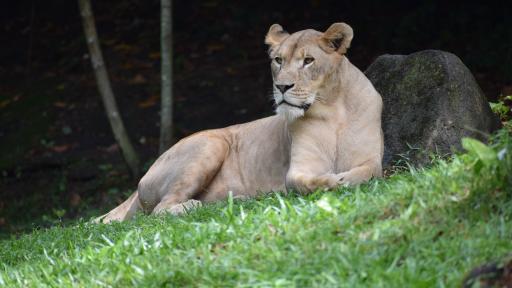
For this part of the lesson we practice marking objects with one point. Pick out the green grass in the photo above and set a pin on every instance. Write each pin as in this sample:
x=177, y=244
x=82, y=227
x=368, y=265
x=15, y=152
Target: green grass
x=418, y=228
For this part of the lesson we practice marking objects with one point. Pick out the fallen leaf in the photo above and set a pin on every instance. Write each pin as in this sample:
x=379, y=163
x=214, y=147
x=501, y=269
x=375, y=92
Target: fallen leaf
x=9, y=101
x=60, y=104
x=112, y=148
x=4, y=103
x=127, y=65
x=150, y=102
x=126, y=48
x=214, y=47
x=154, y=55
x=74, y=199
x=231, y=71
x=138, y=79
x=60, y=148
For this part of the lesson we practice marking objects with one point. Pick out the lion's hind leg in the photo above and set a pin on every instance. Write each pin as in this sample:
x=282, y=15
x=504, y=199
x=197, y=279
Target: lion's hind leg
x=177, y=209
x=209, y=153
x=125, y=211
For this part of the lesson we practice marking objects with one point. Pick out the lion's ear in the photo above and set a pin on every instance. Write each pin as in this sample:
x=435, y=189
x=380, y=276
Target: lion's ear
x=337, y=38
x=275, y=35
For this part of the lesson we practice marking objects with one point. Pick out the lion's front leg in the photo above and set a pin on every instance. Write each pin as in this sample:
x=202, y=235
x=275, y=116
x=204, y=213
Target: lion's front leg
x=355, y=176
x=360, y=174
x=305, y=183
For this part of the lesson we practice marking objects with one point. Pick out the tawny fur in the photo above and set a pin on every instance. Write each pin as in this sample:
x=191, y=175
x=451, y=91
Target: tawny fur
x=336, y=139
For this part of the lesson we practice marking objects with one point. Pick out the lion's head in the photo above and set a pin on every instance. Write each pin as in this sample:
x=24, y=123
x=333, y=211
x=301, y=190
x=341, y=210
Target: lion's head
x=301, y=63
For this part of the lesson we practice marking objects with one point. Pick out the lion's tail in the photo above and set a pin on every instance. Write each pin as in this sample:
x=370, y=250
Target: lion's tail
x=122, y=212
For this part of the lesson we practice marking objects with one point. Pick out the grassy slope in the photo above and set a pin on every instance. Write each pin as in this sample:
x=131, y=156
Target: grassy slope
x=419, y=228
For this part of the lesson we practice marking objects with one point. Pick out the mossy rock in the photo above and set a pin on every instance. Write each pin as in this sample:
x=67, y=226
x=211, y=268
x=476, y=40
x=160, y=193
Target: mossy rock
x=431, y=100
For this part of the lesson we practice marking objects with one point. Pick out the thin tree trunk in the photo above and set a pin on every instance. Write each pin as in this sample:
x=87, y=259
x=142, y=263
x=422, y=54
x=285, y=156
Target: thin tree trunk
x=166, y=125
x=109, y=102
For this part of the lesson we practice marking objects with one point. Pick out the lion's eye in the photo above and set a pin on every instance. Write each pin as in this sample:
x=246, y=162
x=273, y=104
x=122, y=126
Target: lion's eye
x=278, y=60
x=308, y=60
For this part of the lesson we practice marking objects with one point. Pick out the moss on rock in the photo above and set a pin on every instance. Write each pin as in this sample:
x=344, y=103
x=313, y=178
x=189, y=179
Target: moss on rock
x=431, y=100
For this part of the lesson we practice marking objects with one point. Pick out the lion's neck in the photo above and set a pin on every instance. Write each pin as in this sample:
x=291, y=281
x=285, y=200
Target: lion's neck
x=338, y=103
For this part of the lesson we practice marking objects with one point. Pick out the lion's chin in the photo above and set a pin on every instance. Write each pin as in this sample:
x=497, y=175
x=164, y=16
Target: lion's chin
x=289, y=113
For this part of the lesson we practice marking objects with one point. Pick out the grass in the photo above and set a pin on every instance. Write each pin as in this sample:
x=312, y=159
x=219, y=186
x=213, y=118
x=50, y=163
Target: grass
x=418, y=228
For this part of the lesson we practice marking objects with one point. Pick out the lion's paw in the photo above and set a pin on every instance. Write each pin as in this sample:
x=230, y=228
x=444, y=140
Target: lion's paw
x=351, y=177
x=185, y=206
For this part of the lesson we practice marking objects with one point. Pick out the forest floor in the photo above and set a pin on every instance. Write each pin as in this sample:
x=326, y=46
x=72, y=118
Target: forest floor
x=419, y=228
x=59, y=161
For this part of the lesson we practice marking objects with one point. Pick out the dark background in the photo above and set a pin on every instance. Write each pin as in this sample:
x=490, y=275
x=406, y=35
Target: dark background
x=58, y=158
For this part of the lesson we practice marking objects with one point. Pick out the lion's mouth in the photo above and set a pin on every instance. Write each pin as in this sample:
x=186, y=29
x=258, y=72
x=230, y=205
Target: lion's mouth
x=304, y=106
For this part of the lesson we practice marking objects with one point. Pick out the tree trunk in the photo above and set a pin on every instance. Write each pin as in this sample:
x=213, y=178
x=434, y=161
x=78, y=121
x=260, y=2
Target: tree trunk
x=166, y=125
x=109, y=102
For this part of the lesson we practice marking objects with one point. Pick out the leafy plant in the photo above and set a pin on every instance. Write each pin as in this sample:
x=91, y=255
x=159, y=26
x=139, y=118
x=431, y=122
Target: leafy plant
x=481, y=154
x=501, y=109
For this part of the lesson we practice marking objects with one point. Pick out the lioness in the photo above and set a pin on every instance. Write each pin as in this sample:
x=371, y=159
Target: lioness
x=327, y=132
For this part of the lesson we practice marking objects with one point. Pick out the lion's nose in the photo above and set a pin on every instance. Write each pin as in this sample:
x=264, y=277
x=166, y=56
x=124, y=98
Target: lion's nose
x=284, y=88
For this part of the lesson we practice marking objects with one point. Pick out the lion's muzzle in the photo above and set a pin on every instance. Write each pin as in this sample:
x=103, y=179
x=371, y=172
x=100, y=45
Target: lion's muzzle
x=304, y=106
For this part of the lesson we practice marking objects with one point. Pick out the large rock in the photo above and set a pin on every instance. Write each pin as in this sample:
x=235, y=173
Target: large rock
x=431, y=101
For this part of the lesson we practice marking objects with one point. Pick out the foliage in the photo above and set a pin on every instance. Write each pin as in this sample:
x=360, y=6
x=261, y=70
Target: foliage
x=501, y=109
x=420, y=228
